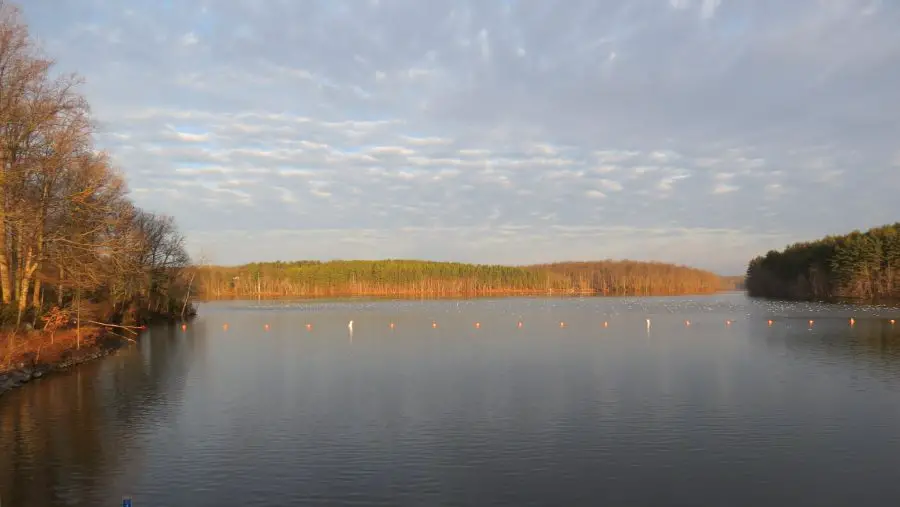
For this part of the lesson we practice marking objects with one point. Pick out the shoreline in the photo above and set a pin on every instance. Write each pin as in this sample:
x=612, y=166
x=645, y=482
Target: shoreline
x=97, y=343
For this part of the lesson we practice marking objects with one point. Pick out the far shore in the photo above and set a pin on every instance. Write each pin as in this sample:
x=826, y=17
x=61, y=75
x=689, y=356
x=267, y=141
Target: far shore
x=449, y=296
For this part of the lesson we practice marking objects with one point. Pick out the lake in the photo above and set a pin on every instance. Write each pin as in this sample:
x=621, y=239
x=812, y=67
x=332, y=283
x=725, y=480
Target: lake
x=278, y=403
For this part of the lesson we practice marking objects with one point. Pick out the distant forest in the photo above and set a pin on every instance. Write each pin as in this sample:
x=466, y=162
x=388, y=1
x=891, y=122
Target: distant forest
x=734, y=283
x=437, y=279
x=859, y=265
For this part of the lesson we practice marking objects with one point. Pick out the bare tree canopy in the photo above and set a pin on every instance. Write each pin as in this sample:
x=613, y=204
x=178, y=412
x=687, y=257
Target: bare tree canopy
x=67, y=227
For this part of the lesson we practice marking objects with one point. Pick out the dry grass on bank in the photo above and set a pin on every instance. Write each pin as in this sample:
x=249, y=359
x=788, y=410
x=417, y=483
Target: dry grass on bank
x=40, y=347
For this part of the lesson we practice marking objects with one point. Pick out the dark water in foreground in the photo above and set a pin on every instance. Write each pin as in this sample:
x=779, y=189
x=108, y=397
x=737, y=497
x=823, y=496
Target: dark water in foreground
x=706, y=414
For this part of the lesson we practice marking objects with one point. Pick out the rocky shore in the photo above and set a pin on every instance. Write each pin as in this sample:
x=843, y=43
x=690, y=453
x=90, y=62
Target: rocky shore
x=28, y=370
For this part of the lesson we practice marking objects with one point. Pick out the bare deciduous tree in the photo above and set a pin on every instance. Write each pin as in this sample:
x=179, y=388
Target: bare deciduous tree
x=64, y=214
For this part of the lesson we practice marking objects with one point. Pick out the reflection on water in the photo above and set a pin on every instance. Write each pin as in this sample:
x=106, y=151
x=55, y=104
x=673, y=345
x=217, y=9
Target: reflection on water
x=62, y=438
x=456, y=403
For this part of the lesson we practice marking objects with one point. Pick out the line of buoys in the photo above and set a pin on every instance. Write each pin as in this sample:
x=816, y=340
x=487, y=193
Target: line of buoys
x=562, y=324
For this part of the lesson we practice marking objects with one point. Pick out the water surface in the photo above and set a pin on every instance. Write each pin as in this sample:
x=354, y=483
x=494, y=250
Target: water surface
x=710, y=405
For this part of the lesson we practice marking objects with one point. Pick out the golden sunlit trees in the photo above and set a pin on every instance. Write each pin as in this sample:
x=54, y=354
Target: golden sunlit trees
x=66, y=225
x=424, y=278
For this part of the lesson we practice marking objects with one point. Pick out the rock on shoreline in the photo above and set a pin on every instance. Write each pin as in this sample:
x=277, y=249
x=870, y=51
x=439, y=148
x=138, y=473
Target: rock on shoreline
x=26, y=373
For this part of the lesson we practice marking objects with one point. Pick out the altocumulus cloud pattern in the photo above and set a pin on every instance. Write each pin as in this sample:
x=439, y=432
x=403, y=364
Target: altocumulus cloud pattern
x=514, y=131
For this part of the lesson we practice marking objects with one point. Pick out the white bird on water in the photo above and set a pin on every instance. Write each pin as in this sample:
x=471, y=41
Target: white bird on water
x=350, y=326
x=648, y=323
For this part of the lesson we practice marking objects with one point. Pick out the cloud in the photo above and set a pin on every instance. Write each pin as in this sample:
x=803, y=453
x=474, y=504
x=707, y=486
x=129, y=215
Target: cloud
x=484, y=45
x=286, y=194
x=391, y=150
x=191, y=137
x=667, y=183
x=189, y=39
x=612, y=186
x=689, y=123
x=424, y=141
x=724, y=188
x=708, y=8
x=773, y=190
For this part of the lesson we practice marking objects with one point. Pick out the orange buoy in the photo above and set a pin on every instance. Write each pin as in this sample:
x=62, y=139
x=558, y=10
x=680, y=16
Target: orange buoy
x=183, y=327
x=225, y=327
x=810, y=322
x=433, y=324
x=687, y=323
x=478, y=325
x=562, y=324
x=852, y=321
x=392, y=325
x=728, y=322
x=605, y=323
x=266, y=327
x=309, y=327
x=893, y=322
x=519, y=325
x=770, y=322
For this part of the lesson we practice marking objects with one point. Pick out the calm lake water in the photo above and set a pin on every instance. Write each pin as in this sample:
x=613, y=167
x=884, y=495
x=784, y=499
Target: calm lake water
x=709, y=413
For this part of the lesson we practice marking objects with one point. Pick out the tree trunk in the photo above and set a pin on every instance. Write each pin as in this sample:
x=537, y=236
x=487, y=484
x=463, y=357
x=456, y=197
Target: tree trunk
x=23, y=301
x=187, y=296
x=35, y=256
x=59, y=288
x=28, y=269
x=5, y=274
x=38, y=302
x=36, y=296
x=6, y=288
x=78, y=319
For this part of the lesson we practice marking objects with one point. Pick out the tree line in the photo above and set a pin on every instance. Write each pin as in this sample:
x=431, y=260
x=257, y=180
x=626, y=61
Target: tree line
x=70, y=237
x=858, y=265
x=427, y=278
x=734, y=283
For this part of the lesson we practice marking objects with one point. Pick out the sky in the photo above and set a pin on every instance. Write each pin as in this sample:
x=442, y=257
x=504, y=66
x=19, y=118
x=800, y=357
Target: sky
x=699, y=132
